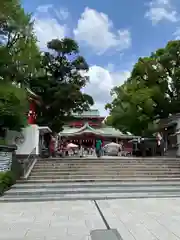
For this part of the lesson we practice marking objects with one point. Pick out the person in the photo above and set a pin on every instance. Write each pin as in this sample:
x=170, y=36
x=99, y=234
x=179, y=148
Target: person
x=52, y=146
x=98, y=147
x=81, y=151
x=120, y=150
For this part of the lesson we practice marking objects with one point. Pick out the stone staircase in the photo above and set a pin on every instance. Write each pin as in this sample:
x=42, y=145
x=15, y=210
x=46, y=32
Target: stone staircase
x=104, y=178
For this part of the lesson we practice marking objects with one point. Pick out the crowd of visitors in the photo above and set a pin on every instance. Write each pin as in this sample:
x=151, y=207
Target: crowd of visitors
x=54, y=146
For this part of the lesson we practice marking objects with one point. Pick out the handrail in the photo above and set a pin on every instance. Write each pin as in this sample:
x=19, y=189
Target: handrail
x=27, y=163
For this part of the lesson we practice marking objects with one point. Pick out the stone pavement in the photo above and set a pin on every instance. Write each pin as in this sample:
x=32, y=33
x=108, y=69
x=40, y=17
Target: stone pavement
x=135, y=219
x=71, y=220
x=144, y=219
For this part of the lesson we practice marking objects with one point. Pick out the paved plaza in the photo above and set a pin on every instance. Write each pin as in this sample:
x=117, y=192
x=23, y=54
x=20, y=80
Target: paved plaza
x=135, y=219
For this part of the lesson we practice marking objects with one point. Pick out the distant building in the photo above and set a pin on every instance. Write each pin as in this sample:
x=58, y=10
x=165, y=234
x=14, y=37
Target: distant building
x=89, y=126
x=170, y=129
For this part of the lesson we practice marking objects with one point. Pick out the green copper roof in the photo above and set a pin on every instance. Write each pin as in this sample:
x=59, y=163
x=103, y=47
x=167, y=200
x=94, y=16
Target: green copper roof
x=90, y=113
x=104, y=131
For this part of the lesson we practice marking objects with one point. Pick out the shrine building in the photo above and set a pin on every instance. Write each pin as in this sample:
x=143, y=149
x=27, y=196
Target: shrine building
x=89, y=126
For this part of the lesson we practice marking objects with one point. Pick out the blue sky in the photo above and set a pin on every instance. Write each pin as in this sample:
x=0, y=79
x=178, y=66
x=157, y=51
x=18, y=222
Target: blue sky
x=112, y=35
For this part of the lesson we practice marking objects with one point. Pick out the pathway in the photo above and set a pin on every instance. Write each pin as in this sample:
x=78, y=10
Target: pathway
x=135, y=219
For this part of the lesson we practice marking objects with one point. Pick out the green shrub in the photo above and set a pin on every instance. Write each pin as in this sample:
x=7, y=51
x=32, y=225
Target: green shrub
x=7, y=179
x=3, y=141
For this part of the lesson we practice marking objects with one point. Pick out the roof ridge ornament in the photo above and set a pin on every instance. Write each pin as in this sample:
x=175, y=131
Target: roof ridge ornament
x=86, y=124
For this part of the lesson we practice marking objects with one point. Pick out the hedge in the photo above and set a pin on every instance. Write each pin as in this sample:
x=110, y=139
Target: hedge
x=7, y=179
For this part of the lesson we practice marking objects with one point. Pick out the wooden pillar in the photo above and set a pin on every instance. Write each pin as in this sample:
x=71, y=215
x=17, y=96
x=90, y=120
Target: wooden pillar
x=94, y=142
x=102, y=141
x=116, y=140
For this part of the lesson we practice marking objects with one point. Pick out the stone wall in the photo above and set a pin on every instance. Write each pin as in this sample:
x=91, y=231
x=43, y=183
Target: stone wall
x=6, y=157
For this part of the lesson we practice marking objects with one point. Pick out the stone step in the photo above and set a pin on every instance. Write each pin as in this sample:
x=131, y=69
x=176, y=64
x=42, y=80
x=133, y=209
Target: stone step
x=107, y=162
x=96, y=166
x=110, y=159
x=62, y=166
x=143, y=166
x=103, y=174
x=123, y=179
x=105, y=158
x=103, y=184
x=96, y=190
x=135, y=160
x=106, y=172
x=71, y=170
x=105, y=169
x=108, y=177
x=88, y=196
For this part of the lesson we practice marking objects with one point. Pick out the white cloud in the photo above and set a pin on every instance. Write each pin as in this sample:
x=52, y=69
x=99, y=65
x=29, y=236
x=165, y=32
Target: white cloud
x=102, y=80
x=159, y=10
x=63, y=13
x=50, y=9
x=96, y=30
x=177, y=34
x=49, y=24
x=44, y=8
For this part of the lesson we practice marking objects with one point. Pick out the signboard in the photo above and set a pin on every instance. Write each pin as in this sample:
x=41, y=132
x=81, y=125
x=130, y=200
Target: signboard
x=5, y=161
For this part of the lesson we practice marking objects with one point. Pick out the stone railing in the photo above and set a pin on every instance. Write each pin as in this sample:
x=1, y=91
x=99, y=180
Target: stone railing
x=28, y=162
x=9, y=161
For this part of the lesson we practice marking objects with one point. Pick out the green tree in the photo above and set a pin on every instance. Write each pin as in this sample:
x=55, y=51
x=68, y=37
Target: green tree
x=151, y=93
x=18, y=62
x=169, y=60
x=132, y=108
x=18, y=49
x=13, y=107
x=62, y=77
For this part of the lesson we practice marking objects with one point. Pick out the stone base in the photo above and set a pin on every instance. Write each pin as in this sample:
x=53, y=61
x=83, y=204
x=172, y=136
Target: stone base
x=105, y=234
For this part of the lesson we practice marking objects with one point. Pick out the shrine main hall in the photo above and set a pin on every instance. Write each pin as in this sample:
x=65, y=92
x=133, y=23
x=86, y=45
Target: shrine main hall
x=89, y=126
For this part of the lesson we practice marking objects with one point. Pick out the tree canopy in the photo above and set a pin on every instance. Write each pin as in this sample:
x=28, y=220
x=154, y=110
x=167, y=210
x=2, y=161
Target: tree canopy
x=18, y=49
x=13, y=106
x=62, y=77
x=149, y=94
x=18, y=52
x=57, y=75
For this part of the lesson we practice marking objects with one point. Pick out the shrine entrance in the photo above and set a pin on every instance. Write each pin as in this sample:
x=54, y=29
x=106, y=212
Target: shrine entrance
x=88, y=143
x=86, y=140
